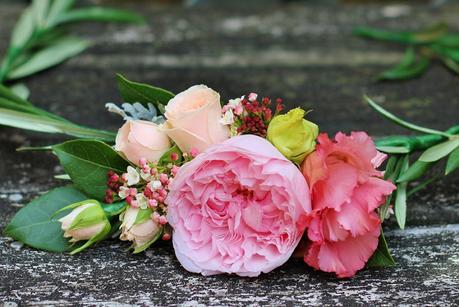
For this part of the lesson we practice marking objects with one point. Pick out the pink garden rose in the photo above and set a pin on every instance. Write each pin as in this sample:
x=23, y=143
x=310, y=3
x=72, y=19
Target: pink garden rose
x=193, y=119
x=345, y=190
x=138, y=139
x=240, y=207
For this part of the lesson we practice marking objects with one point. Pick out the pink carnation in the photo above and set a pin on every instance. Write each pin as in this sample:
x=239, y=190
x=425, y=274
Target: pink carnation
x=345, y=189
x=240, y=207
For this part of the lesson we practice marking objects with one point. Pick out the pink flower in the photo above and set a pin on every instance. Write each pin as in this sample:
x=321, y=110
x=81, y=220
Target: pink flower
x=193, y=119
x=345, y=189
x=239, y=207
x=139, y=140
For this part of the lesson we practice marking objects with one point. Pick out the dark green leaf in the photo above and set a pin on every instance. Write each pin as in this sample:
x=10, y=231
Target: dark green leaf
x=414, y=171
x=50, y=56
x=115, y=208
x=33, y=225
x=143, y=93
x=439, y=151
x=87, y=162
x=453, y=161
x=406, y=70
x=98, y=14
x=449, y=40
x=382, y=256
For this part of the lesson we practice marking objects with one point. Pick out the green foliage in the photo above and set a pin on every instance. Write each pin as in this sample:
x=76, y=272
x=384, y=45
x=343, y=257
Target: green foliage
x=423, y=47
x=40, y=40
x=382, y=256
x=143, y=93
x=87, y=162
x=35, y=224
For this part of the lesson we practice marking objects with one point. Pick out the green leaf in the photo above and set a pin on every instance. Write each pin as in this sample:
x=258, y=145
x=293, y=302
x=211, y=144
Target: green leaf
x=23, y=30
x=449, y=40
x=390, y=167
x=87, y=162
x=393, y=149
x=166, y=157
x=33, y=224
x=41, y=123
x=406, y=71
x=50, y=56
x=401, y=122
x=21, y=90
x=430, y=34
x=143, y=93
x=400, y=198
x=114, y=208
x=374, y=33
x=40, y=11
x=99, y=14
x=451, y=64
x=414, y=171
x=57, y=8
x=10, y=95
x=439, y=151
x=382, y=256
x=453, y=162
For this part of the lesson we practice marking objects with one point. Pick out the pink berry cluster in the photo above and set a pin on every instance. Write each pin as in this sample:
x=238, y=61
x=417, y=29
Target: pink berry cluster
x=248, y=115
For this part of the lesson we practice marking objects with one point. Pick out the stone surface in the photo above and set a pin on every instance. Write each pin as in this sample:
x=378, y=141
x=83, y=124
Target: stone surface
x=301, y=51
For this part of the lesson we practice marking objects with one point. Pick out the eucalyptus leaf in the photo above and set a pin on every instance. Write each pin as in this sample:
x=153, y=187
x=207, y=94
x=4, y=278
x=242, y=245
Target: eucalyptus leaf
x=143, y=93
x=87, y=162
x=50, y=56
x=439, y=151
x=98, y=14
x=382, y=256
x=453, y=162
x=33, y=224
x=416, y=170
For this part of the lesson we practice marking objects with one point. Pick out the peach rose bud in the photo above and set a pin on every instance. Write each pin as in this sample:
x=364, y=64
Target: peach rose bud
x=193, y=119
x=139, y=139
x=86, y=222
x=138, y=226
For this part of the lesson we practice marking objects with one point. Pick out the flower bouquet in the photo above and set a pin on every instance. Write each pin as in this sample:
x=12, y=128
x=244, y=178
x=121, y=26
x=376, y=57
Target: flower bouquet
x=238, y=188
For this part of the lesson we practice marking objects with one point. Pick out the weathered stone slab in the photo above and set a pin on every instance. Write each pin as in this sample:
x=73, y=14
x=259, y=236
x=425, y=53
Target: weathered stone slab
x=303, y=53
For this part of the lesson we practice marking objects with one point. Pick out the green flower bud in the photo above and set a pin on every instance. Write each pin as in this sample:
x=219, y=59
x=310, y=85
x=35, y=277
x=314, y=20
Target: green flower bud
x=292, y=135
x=86, y=222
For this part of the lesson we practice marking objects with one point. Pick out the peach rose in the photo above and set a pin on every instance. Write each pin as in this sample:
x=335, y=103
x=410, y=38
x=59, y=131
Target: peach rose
x=193, y=119
x=138, y=139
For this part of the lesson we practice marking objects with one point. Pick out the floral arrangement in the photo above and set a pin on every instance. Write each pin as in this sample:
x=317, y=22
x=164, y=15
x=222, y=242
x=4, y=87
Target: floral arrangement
x=238, y=188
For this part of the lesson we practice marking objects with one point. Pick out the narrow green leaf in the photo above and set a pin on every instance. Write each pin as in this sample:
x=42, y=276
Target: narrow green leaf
x=40, y=10
x=415, y=171
x=143, y=93
x=115, y=208
x=382, y=256
x=21, y=90
x=374, y=33
x=439, y=151
x=24, y=29
x=402, y=72
x=390, y=166
x=401, y=122
x=87, y=162
x=400, y=198
x=57, y=8
x=393, y=149
x=99, y=14
x=50, y=56
x=451, y=64
x=431, y=34
x=453, y=162
x=422, y=185
x=33, y=225
x=10, y=95
x=40, y=123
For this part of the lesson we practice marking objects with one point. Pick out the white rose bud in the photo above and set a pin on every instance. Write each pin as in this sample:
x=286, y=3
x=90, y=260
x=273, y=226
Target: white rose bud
x=138, y=226
x=87, y=222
